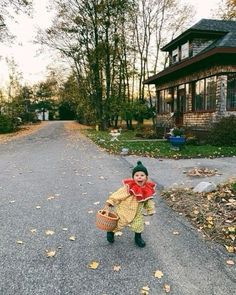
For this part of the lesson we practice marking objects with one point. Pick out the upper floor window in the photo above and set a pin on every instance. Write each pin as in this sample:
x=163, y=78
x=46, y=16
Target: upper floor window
x=231, y=91
x=185, y=50
x=175, y=55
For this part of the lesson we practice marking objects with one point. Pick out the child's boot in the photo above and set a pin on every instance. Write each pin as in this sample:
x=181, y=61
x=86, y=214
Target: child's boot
x=110, y=237
x=139, y=241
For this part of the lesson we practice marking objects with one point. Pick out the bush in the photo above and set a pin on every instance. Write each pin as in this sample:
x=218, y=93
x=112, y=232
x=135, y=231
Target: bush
x=6, y=124
x=223, y=133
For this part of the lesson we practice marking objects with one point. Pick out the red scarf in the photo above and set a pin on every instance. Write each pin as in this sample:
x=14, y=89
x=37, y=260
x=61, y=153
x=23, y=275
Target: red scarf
x=142, y=193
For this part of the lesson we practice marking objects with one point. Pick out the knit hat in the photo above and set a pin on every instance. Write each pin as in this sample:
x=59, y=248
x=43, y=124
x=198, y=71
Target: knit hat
x=139, y=167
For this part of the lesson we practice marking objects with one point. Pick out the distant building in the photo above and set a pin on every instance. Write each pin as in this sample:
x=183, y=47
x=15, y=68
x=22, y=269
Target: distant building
x=42, y=115
x=199, y=84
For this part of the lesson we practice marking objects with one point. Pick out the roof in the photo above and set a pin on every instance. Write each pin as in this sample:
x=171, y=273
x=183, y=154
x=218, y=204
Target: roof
x=222, y=31
x=225, y=30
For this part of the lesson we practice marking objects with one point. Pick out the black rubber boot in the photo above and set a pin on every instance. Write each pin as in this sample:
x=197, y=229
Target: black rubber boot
x=110, y=237
x=139, y=241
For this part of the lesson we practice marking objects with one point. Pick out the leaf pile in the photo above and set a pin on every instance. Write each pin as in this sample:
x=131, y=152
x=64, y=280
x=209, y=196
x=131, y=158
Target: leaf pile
x=202, y=172
x=214, y=213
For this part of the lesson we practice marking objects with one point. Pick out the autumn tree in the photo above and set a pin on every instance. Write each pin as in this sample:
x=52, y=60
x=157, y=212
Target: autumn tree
x=226, y=10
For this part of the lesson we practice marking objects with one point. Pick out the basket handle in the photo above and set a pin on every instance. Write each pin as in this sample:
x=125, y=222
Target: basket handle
x=106, y=209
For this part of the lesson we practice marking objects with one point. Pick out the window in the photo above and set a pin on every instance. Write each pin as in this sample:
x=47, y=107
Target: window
x=204, y=96
x=185, y=50
x=175, y=55
x=163, y=105
x=210, y=97
x=231, y=91
x=199, y=96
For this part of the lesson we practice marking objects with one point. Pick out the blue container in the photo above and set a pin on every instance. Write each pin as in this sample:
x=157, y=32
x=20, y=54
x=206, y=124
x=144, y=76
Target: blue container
x=177, y=141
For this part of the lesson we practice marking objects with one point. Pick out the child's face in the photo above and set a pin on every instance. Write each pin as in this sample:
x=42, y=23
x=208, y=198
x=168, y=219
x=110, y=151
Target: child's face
x=140, y=178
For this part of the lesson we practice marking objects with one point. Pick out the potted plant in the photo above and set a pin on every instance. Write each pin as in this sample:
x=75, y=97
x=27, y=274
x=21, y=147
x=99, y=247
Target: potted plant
x=177, y=138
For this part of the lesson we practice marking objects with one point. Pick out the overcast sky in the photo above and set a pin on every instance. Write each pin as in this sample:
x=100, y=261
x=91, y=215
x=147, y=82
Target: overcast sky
x=34, y=66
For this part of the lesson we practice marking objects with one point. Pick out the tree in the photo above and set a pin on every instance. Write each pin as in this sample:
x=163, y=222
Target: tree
x=111, y=46
x=226, y=10
x=16, y=6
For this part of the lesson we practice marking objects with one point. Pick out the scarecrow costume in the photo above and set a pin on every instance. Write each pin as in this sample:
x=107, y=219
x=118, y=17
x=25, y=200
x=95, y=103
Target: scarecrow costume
x=129, y=202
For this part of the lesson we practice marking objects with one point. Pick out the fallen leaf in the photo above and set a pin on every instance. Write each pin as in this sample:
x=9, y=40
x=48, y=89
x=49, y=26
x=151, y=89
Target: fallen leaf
x=94, y=265
x=147, y=222
x=19, y=242
x=230, y=262
x=51, y=198
x=166, y=288
x=230, y=249
x=38, y=207
x=175, y=233
x=65, y=228
x=50, y=253
x=72, y=238
x=49, y=232
x=118, y=233
x=158, y=274
x=96, y=203
x=11, y=202
x=145, y=290
x=116, y=267
x=33, y=230
x=90, y=211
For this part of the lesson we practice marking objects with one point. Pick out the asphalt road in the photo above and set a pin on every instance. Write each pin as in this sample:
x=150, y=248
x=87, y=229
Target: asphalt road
x=53, y=180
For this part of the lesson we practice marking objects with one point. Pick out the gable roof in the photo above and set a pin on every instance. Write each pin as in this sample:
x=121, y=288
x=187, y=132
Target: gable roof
x=223, y=30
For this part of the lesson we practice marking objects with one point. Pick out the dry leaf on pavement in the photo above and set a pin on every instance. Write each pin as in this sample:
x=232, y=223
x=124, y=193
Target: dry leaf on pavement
x=118, y=233
x=166, y=288
x=19, y=242
x=49, y=232
x=230, y=262
x=50, y=253
x=116, y=267
x=72, y=238
x=158, y=274
x=145, y=290
x=33, y=230
x=94, y=265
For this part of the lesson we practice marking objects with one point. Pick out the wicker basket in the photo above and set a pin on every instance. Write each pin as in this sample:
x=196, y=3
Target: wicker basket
x=106, y=220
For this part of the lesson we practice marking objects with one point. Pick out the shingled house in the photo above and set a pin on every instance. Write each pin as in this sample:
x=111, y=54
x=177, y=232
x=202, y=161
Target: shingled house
x=199, y=84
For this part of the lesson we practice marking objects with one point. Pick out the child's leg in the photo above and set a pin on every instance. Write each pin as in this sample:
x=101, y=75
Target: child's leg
x=110, y=235
x=137, y=226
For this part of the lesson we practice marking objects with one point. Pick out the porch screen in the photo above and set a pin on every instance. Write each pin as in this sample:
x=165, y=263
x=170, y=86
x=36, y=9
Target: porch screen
x=231, y=91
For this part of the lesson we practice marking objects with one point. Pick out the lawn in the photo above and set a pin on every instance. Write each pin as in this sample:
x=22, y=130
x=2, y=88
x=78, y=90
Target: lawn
x=155, y=148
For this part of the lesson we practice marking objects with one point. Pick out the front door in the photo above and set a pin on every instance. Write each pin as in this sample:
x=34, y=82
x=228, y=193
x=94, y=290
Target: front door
x=180, y=108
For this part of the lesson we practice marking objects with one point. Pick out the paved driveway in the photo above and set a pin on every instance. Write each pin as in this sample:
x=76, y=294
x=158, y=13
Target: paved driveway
x=53, y=180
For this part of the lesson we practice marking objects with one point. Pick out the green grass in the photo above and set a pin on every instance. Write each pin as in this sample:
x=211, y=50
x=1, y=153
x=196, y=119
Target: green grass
x=157, y=149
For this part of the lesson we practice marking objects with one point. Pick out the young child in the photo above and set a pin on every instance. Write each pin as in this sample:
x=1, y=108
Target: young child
x=130, y=200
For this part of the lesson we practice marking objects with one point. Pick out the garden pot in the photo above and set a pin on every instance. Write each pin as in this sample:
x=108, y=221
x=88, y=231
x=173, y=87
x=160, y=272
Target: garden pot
x=177, y=141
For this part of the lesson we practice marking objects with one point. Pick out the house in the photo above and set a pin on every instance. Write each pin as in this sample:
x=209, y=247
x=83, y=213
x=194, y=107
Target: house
x=198, y=86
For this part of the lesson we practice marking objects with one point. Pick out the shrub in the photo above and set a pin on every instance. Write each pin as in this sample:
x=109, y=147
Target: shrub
x=223, y=133
x=6, y=124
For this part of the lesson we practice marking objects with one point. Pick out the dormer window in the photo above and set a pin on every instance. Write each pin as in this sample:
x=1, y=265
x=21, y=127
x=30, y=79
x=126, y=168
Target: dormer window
x=175, y=55
x=185, y=50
